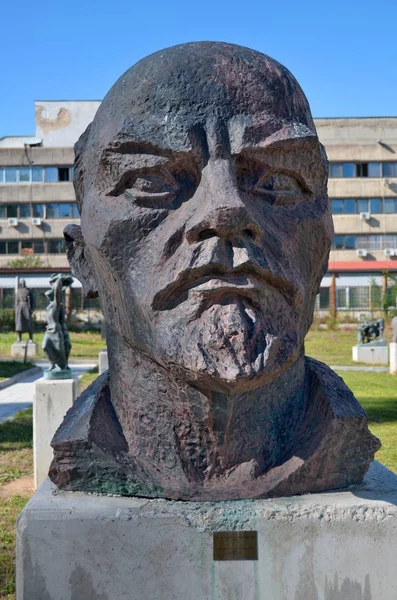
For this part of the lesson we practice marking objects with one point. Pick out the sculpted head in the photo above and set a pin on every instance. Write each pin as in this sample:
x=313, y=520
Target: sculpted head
x=205, y=225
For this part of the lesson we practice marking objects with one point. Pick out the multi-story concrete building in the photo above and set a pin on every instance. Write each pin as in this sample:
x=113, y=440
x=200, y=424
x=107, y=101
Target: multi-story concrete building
x=37, y=196
x=37, y=200
x=362, y=186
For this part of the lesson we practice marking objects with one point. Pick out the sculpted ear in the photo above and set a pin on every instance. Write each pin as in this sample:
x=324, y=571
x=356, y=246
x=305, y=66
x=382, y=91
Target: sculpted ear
x=78, y=258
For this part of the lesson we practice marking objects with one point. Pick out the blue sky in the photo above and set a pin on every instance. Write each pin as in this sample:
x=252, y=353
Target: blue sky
x=343, y=53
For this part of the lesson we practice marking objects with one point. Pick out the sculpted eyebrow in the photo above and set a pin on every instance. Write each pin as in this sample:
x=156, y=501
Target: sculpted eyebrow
x=137, y=147
x=288, y=144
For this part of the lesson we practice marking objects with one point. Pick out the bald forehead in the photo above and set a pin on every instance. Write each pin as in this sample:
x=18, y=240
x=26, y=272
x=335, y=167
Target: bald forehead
x=179, y=87
x=172, y=99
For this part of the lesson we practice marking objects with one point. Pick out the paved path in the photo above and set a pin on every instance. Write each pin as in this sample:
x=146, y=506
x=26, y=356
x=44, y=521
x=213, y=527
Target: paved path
x=20, y=395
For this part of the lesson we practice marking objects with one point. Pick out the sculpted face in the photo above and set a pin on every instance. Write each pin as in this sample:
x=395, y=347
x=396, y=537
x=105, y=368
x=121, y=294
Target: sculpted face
x=205, y=219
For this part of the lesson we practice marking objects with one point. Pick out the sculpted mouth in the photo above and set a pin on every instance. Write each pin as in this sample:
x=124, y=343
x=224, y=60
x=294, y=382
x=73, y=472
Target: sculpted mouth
x=251, y=283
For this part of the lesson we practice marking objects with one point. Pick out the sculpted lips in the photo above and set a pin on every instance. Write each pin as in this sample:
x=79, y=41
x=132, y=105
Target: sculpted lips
x=250, y=282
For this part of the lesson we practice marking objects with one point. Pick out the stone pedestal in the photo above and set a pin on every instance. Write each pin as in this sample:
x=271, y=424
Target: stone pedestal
x=393, y=358
x=18, y=349
x=103, y=361
x=371, y=354
x=339, y=545
x=52, y=399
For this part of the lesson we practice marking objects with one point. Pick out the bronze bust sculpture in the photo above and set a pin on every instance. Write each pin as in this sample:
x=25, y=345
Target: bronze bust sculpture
x=205, y=229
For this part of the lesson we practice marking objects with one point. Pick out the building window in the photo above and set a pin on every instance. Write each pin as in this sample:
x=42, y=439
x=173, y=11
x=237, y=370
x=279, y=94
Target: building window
x=324, y=298
x=25, y=247
x=375, y=206
x=38, y=211
x=36, y=174
x=52, y=211
x=51, y=174
x=12, y=211
x=389, y=205
x=25, y=211
x=337, y=207
x=356, y=169
x=65, y=210
x=341, y=297
x=362, y=206
x=63, y=174
x=56, y=246
x=59, y=210
x=12, y=247
x=389, y=169
x=350, y=206
x=11, y=175
x=38, y=246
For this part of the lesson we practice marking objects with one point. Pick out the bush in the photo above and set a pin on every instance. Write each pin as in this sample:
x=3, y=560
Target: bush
x=26, y=262
x=7, y=319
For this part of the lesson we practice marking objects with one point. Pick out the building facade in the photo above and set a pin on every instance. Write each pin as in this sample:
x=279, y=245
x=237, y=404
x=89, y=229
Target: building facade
x=362, y=188
x=37, y=200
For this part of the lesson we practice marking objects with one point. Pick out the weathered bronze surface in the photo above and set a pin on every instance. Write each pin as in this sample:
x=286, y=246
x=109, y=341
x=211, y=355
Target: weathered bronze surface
x=205, y=230
x=235, y=545
x=56, y=341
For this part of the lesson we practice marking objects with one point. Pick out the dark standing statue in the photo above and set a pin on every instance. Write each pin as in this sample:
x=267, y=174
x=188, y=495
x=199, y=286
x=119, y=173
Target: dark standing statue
x=205, y=229
x=56, y=341
x=23, y=311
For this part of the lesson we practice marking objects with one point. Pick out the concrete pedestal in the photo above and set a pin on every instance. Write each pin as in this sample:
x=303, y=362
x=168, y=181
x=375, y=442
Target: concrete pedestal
x=339, y=546
x=103, y=361
x=393, y=358
x=52, y=399
x=18, y=349
x=371, y=355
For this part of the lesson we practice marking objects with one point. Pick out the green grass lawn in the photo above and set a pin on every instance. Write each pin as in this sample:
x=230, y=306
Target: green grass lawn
x=85, y=344
x=333, y=347
x=377, y=393
x=12, y=367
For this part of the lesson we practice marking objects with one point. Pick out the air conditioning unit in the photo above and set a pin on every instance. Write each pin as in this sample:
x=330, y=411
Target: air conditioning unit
x=365, y=216
x=36, y=221
x=361, y=252
x=12, y=222
x=390, y=251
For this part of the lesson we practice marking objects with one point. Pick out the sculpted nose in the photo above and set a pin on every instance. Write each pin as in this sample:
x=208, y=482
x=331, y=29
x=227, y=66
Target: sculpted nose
x=220, y=210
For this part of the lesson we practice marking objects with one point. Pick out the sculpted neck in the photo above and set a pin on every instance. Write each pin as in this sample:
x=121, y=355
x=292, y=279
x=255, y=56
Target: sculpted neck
x=200, y=434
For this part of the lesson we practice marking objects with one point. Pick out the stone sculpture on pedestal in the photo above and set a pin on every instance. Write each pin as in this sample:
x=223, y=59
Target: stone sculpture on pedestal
x=371, y=331
x=24, y=311
x=205, y=229
x=56, y=341
x=24, y=305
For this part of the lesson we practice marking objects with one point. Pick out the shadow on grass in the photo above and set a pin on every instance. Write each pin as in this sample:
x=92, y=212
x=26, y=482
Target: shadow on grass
x=380, y=410
x=17, y=431
x=12, y=367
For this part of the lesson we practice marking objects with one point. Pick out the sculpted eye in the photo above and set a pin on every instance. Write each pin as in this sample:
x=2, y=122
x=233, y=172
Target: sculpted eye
x=279, y=189
x=151, y=188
